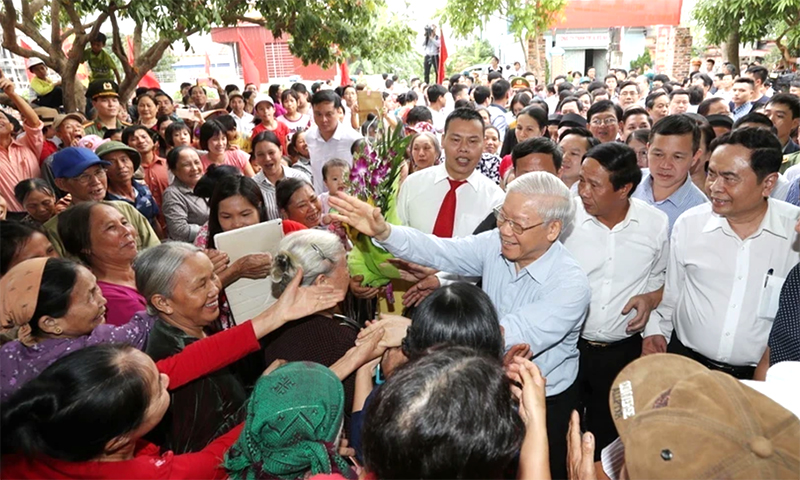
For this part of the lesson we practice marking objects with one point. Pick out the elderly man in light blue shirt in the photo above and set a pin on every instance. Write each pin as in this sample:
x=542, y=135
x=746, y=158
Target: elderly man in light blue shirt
x=538, y=288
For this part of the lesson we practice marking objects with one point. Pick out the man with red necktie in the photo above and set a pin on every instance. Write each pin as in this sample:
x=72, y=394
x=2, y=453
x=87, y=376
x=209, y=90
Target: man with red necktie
x=452, y=198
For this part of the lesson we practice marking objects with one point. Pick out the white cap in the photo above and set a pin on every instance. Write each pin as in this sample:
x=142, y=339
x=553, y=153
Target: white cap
x=34, y=61
x=263, y=98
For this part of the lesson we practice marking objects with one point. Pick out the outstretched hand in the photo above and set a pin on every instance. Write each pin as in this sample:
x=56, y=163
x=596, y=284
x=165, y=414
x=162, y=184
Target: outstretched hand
x=360, y=215
x=409, y=271
x=297, y=302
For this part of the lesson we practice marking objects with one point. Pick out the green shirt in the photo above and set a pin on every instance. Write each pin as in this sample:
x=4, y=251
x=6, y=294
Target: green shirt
x=146, y=236
x=101, y=64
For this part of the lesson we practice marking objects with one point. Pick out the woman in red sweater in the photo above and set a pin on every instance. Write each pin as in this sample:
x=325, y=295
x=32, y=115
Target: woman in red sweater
x=85, y=415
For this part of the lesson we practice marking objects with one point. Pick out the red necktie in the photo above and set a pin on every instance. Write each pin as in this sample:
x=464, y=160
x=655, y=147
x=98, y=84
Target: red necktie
x=447, y=212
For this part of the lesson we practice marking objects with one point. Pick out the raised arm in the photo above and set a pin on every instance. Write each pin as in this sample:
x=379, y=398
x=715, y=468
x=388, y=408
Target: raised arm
x=222, y=349
x=462, y=256
x=223, y=97
x=29, y=117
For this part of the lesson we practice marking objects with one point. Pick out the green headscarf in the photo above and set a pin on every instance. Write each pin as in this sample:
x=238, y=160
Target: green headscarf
x=294, y=415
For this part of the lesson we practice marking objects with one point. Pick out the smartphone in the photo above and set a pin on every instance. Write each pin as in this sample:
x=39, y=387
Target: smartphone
x=204, y=82
x=378, y=377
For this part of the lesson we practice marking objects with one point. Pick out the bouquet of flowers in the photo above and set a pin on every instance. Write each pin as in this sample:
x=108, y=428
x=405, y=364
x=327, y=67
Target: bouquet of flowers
x=375, y=179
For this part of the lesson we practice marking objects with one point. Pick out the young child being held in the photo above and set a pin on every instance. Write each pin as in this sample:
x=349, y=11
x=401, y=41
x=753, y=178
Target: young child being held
x=335, y=173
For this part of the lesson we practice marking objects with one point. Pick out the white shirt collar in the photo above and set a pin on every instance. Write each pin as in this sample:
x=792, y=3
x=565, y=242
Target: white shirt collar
x=441, y=175
x=771, y=223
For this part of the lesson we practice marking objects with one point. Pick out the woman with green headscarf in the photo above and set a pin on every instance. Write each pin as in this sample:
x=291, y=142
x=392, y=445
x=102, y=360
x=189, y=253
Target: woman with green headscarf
x=293, y=426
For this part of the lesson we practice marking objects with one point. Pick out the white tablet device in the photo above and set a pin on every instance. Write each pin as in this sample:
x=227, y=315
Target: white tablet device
x=247, y=298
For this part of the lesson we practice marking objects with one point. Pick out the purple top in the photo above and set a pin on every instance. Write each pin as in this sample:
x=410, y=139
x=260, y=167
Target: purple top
x=20, y=364
x=123, y=302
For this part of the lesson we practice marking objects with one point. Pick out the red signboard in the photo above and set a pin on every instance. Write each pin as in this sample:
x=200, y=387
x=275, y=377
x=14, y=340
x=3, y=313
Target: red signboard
x=620, y=13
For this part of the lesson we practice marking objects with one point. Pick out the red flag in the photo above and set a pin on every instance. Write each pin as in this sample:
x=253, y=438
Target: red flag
x=149, y=80
x=249, y=69
x=208, y=66
x=27, y=60
x=442, y=57
x=345, y=74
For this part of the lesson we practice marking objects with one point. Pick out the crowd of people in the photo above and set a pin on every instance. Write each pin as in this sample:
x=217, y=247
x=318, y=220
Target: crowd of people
x=598, y=280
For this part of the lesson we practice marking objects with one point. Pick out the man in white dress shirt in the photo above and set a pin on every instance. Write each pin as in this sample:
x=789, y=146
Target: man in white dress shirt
x=422, y=196
x=328, y=138
x=622, y=245
x=727, y=260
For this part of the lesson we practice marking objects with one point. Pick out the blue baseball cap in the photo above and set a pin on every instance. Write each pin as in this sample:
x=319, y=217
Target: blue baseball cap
x=72, y=161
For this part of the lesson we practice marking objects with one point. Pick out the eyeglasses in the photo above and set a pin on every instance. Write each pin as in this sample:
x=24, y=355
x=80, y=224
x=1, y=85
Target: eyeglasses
x=607, y=122
x=86, y=178
x=515, y=227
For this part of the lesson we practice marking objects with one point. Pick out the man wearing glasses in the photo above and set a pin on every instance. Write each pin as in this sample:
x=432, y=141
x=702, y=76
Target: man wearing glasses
x=604, y=118
x=540, y=292
x=622, y=245
x=81, y=173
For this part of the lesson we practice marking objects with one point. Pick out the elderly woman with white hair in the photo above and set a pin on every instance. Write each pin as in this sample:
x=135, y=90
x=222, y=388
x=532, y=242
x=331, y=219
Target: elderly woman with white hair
x=181, y=289
x=538, y=288
x=322, y=337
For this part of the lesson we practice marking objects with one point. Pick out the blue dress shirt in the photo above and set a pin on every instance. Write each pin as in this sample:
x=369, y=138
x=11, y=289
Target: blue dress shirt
x=543, y=305
x=682, y=199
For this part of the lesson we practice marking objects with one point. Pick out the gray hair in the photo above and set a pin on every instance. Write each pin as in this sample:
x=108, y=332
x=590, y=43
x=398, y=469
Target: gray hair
x=429, y=136
x=315, y=251
x=554, y=200
x=155, y=269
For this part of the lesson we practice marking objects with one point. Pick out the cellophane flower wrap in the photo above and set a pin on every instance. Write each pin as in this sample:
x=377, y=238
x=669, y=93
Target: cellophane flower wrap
x=375, y=179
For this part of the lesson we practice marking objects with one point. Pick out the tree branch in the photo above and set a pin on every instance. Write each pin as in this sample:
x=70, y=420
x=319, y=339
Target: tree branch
x=256, y=21
x=27, y=27
x=74, y=17
x=99, y=21
x=36, y=6
x=116, y=47
x=8, y=18
x=82, y=28
x=55, y=24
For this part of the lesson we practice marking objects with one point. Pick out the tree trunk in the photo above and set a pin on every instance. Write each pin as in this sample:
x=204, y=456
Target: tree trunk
x=74, y=91
x=141, y=65
x=535, y=56
x=730, y=52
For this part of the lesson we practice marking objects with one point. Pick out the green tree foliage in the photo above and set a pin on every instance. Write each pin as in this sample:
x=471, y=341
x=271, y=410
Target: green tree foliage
x=527, y=20
x=320, y=32
x=478, y=52
x=751, y=21
x=642, y=60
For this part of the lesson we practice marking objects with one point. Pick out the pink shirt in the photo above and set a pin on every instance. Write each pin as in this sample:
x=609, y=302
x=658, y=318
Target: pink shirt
x=20, y=162
x=123, y=302
x=237, y=158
